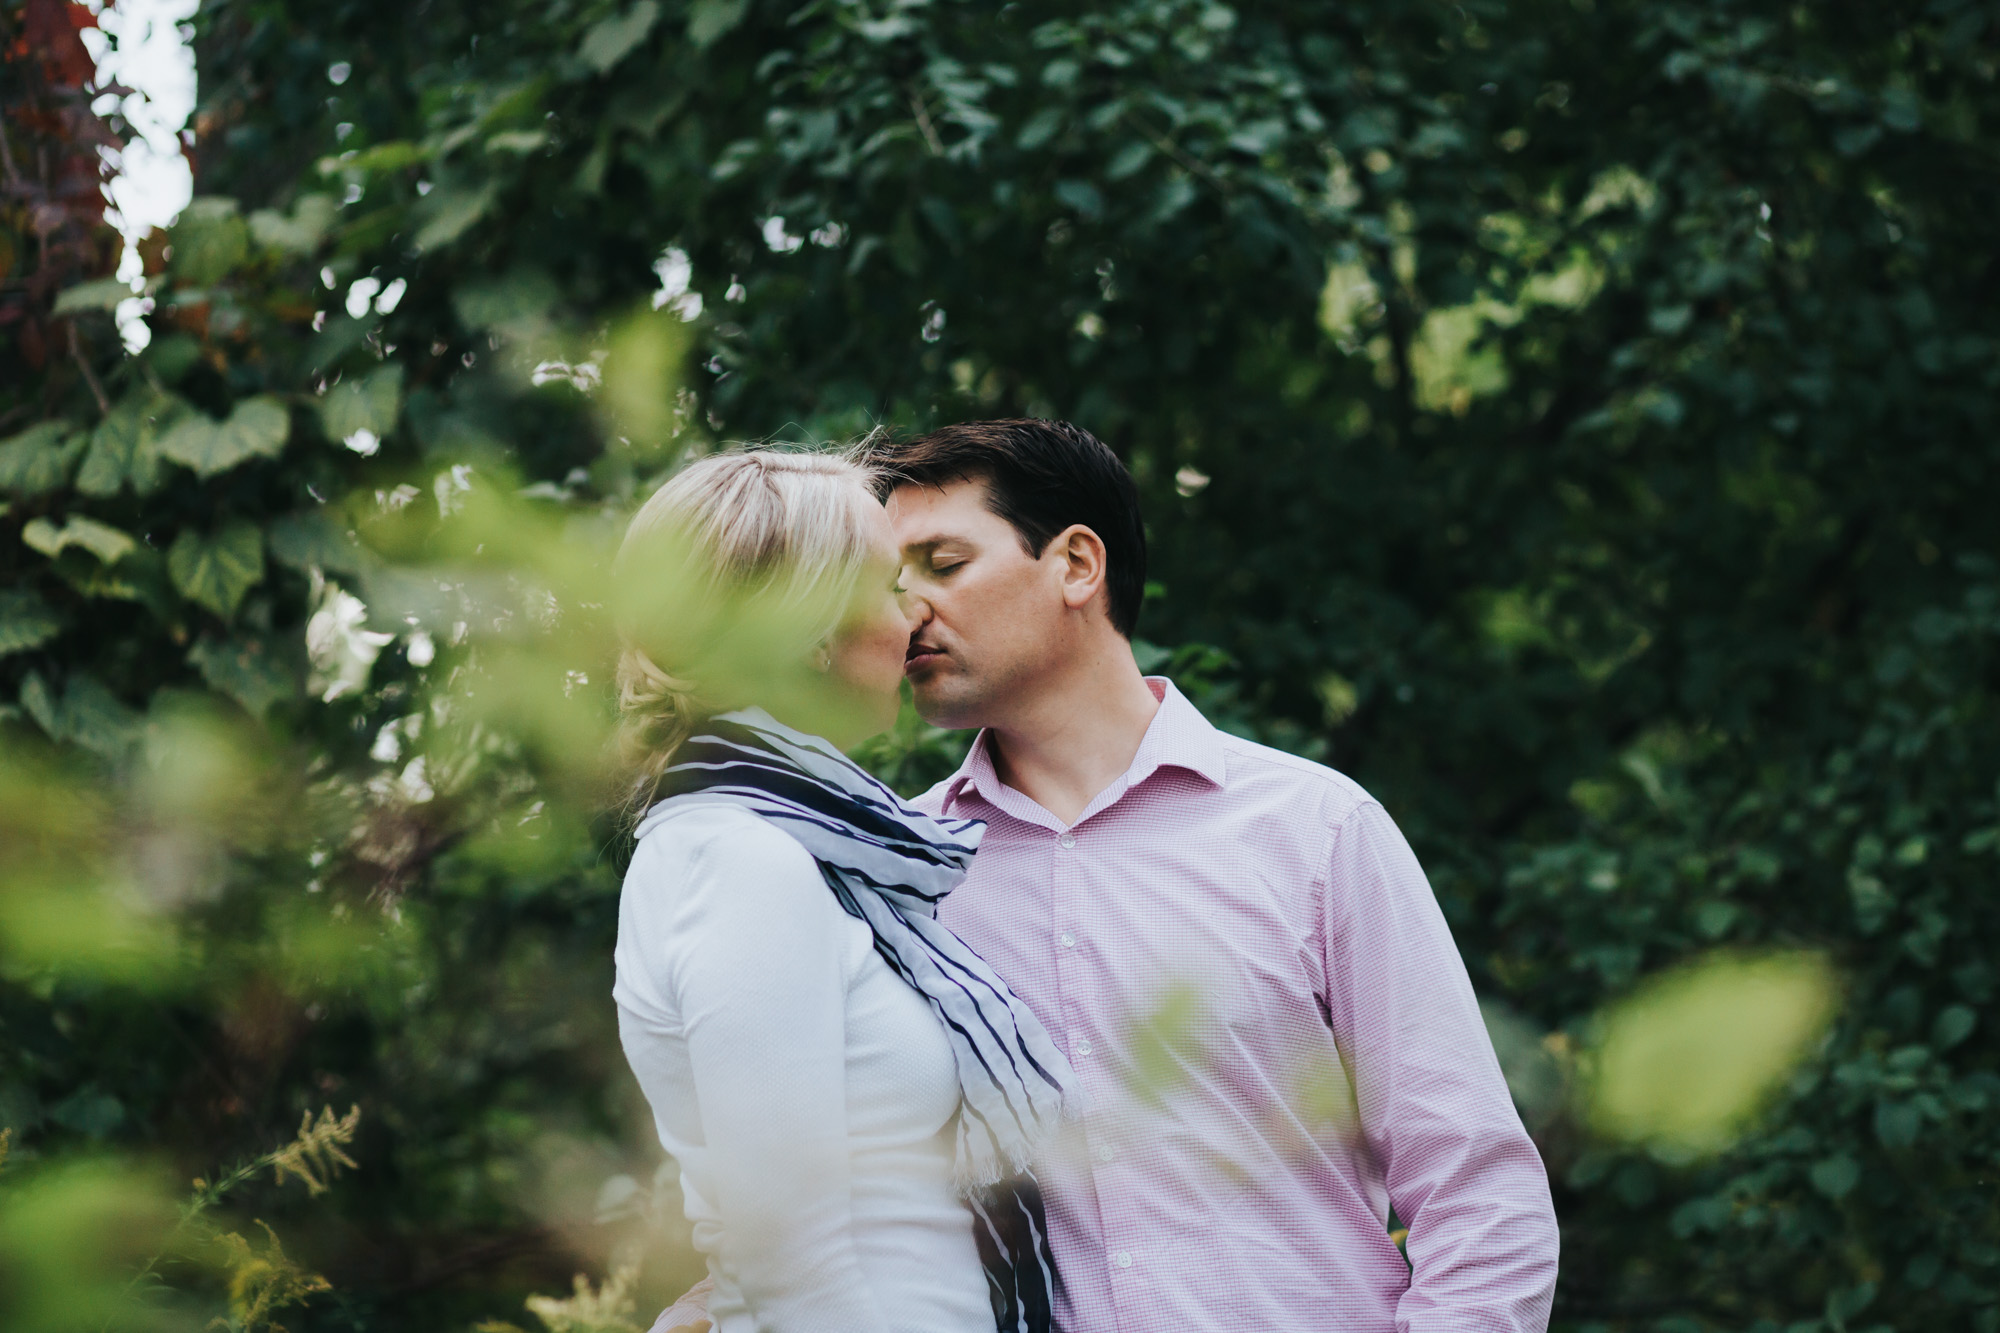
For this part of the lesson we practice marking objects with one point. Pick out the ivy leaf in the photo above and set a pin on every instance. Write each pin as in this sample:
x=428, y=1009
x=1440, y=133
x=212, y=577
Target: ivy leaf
x=708, y=20
x=611, y=40
x=103, y=294
x=122, y=452
x=711, y=19
x=25, y=621
x=363, y=404
x=1836, y=1176
x=86, y=713
x=102, y=540
x=96, y=719
x=299, y=234
x=216, y=571
x=312, y=540
x=248, y=670
x=38, y=459
x=449, y=211
x=209, y=241
x=257, y=427
x=522, y=295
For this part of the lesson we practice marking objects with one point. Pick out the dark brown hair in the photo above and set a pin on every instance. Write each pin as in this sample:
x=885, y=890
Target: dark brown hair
x=1041, y=477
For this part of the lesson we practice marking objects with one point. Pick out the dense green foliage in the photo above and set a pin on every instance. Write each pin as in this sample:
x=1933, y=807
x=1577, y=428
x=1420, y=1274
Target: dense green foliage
x=1577, y=421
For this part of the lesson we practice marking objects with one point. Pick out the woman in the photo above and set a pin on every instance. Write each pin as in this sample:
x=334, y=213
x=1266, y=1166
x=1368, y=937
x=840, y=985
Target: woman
x=850, y=1092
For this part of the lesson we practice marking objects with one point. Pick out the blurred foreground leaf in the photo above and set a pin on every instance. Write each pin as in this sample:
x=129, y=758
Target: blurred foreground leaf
x=1686, y=1062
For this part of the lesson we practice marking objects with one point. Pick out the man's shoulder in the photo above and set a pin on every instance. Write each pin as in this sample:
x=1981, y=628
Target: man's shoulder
x=1263, y=769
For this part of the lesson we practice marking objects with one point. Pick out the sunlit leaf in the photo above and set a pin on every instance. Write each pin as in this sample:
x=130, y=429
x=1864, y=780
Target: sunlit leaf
x=256, y=427
x=102, y=540
x=299, y=233
x=122, y=451
x=39, y=458
x=209, y=241
x=71, y=1236
x=642, y=376
x=708, y=20
x=102, y=294
x=217, y=570
x=1690, y=1058
x=450, y=210
x=612, y=39
x=364, y=403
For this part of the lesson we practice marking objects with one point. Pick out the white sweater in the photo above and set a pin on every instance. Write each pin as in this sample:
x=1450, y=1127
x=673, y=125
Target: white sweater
x=807, y=1092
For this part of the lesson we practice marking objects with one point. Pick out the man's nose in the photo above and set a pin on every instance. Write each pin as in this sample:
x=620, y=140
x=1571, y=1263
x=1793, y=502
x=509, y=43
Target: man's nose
x=915, y=605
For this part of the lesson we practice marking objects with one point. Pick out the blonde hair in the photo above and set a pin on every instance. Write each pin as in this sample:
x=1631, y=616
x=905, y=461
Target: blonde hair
x=786, y=531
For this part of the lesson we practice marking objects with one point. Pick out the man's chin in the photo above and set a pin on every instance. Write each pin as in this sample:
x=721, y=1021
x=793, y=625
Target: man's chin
x=940, y=704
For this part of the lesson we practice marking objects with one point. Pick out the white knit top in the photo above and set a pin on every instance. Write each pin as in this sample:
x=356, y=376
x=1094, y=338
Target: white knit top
x=806, y=1091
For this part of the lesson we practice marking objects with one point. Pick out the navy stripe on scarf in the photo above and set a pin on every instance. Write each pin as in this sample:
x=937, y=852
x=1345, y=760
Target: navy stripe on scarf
x=889, y=865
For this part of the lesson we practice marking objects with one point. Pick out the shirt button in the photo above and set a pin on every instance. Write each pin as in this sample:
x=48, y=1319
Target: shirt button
x=1123, y=1259
x=1106, y=1153
x=1083, y=1046
x=1068, y=940
x=1067, y=840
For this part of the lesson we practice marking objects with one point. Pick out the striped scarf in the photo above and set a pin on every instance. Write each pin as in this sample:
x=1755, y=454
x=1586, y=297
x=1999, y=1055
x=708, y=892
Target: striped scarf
x=889, y=865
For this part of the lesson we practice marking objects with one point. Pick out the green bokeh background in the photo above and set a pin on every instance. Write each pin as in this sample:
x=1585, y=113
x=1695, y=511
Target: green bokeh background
x=1576, y=421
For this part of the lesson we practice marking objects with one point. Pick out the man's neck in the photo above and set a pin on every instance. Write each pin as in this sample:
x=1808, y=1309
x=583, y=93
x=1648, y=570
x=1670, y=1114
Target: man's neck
x=1079, y=734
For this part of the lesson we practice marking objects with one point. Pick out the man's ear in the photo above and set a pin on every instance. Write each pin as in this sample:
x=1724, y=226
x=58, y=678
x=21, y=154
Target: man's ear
x=1081, y=555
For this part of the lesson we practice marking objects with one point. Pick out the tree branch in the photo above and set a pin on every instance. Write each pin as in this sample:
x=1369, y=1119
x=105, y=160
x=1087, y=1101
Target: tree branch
x=89, y=375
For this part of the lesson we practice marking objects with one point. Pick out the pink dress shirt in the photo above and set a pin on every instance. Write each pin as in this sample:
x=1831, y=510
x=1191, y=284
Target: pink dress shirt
x=1278, y=1044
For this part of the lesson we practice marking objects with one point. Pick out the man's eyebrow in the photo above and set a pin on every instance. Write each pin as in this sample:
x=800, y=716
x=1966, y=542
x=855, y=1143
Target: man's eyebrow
x=930, y=544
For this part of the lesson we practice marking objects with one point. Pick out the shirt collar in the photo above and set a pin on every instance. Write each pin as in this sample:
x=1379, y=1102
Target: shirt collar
x=1177, y=737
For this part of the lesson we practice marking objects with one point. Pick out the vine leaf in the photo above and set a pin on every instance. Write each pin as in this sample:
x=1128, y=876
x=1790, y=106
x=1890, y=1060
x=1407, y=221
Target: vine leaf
x=102, y=540
x=248, y=670
x=257, y=427
x=121, y=453
x=363, y=404
x=611, y=40
x=216, y=571
x=38, y=459
x=25, y=622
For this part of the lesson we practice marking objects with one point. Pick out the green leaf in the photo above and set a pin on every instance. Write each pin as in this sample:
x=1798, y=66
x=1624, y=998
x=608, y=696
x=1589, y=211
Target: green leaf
x=1953, y=1026
x=448, y=211
x=523, y=293
x=708, y=20
x=26, y=621
x=103, y=294
x=1687, y=1060
x=300, y=233
x=248, y=670
x=209, y=241
x=1897, y=1123
x=367, y=403
x=102, y=540
x=94, y=718
x=122, y=452
x=257, y=427
x=313, y=540
x=611, y=40
x=87, y=713
x=38, y=459
x=1836, y=1176
x=216, y=571
x=43, y=706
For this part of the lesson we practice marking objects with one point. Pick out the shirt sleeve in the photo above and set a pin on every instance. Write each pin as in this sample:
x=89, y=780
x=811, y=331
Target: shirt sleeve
x=746, y=944
x=1434, y=1110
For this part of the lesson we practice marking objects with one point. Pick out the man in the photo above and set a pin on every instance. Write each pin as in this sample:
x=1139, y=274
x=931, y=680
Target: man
x=1277, y=1039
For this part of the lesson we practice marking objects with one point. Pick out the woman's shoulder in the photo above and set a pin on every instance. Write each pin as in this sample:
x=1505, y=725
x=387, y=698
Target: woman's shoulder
x=704, y=848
